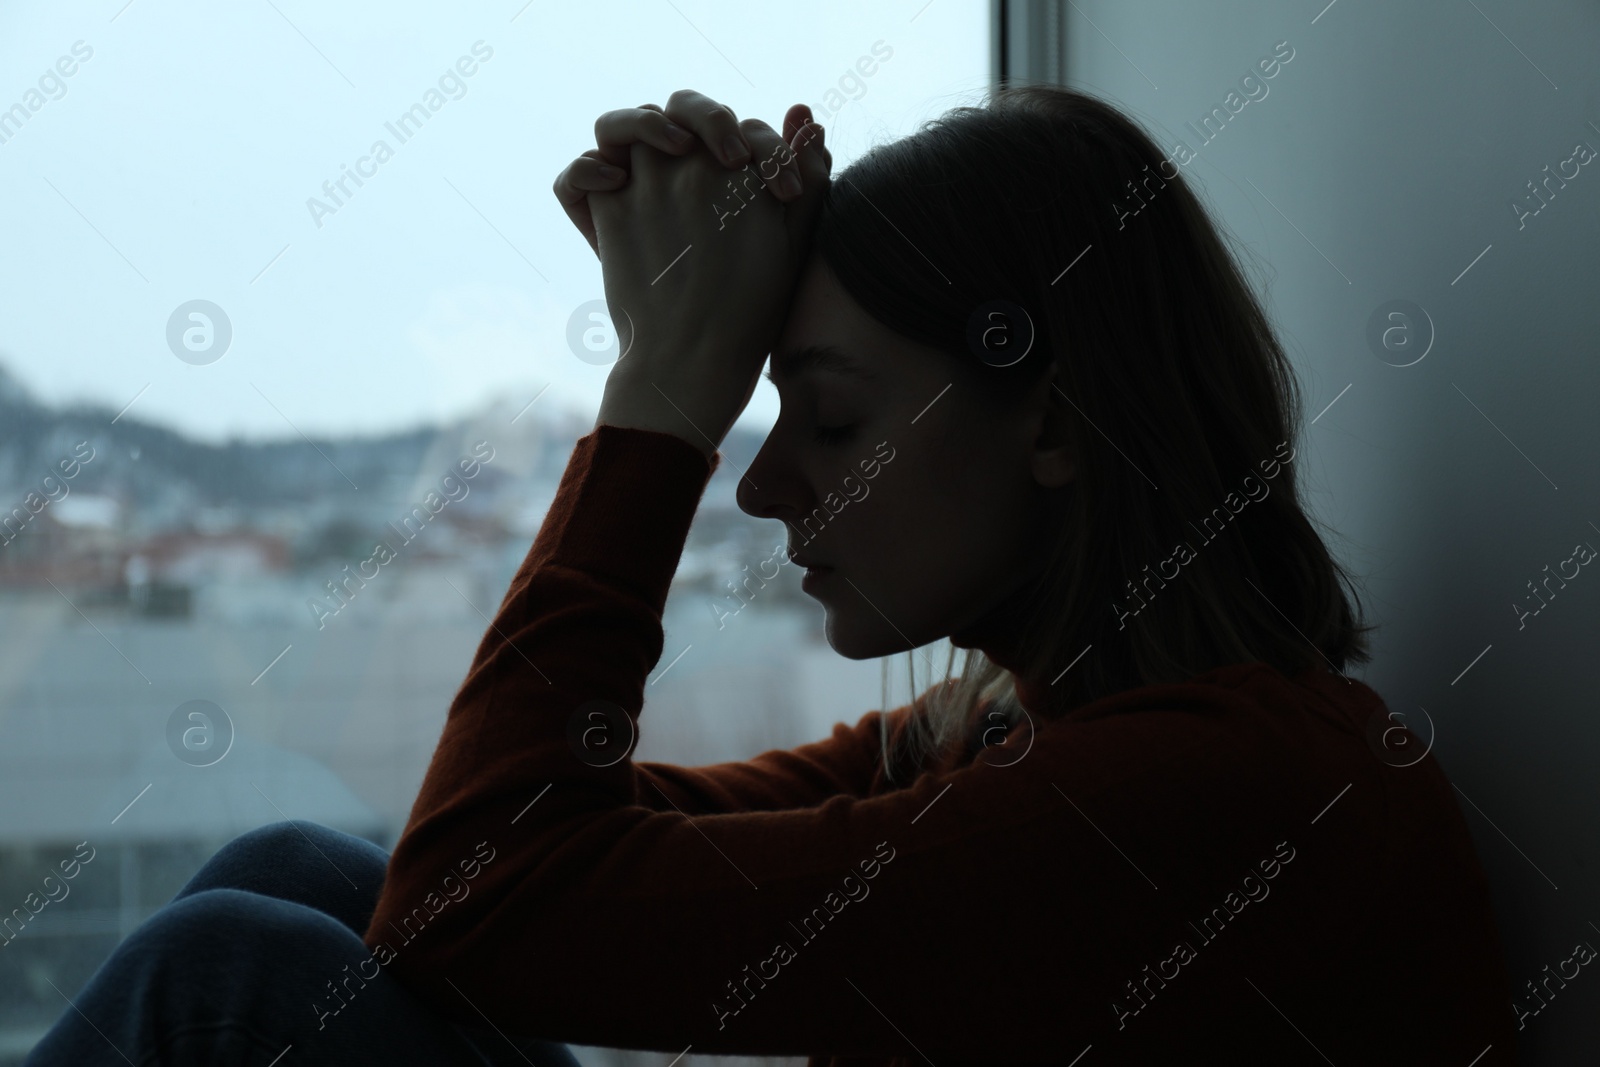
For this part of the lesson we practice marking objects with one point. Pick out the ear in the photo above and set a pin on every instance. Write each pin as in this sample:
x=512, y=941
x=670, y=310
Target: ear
x=1053, y=460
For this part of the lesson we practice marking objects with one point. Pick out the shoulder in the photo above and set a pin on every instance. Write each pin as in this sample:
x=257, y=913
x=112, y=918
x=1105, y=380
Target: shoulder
x=1229, y=740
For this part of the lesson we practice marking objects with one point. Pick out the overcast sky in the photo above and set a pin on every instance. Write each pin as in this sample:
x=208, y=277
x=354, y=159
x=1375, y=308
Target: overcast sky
x=174, y=163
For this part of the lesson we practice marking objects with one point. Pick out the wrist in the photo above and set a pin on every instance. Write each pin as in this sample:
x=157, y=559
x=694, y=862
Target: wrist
x=638, y=401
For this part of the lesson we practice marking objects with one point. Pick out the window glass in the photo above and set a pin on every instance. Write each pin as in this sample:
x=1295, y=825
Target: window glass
x=270, y=273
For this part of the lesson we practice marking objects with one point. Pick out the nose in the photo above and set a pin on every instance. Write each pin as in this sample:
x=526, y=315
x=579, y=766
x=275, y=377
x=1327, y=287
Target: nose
x=772, y=487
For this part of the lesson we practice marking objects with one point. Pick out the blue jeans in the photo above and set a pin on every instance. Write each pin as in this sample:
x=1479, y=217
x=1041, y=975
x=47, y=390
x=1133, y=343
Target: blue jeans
x=242, y=965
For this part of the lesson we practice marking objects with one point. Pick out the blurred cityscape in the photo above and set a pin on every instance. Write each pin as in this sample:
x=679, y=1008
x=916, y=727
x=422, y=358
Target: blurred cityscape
x=138, y=519
x=144, y=574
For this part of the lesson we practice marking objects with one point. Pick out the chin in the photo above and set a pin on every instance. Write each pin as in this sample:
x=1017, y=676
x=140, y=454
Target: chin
x=851, y=650
x=856, y=637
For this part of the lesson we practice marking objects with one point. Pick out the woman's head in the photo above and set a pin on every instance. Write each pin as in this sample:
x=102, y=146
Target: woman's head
x=931, y=502
x=1075, y=382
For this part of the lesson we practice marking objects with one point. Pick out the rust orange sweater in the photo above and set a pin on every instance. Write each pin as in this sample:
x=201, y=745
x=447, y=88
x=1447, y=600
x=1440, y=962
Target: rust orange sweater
x=1221, y=870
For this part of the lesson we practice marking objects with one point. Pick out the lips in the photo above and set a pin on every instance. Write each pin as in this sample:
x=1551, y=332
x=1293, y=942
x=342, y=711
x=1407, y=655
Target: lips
x=814, y=578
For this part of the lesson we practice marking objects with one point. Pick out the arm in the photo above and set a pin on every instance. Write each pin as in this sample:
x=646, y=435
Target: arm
x=847, y=763
x=547, y=894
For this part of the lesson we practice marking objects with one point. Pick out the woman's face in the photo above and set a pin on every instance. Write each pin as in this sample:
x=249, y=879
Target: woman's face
x=932, y=507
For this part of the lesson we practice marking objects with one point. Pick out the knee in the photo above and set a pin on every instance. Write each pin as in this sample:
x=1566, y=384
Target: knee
x=208, y=935
x=229, y=965
x=305, y=851
x=301, y=861
x=301, y=840
x=211, y=972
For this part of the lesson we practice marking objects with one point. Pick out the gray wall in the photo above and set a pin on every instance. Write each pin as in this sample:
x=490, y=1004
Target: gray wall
x=1383, y=159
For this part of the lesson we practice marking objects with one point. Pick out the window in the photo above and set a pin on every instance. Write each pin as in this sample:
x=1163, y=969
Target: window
x=272, y=272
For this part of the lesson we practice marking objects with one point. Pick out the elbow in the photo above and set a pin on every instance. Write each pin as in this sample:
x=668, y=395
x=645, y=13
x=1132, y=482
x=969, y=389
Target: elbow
x=416, y=929
x=422, y=949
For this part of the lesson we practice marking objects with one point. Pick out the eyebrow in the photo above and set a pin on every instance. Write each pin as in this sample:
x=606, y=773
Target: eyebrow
x=818, y=357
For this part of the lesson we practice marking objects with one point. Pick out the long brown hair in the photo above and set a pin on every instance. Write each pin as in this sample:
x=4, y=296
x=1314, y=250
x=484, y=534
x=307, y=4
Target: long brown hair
x=1180, y=396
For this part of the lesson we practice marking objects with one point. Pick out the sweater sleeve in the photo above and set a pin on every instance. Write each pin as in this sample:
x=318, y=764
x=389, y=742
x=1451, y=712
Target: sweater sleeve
x=541, y=889
x=844, y=764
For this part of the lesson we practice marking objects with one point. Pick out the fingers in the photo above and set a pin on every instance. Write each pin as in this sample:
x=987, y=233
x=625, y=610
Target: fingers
x=616, y=130
x=816, y=162
x=584, y=175
x=799, y=129
x=780, y=161
x=775, y=162
x=815, y=165
x=714, y=123
x=813, y=162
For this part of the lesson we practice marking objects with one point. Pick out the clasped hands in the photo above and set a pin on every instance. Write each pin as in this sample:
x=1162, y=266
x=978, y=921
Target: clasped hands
x=702, y=224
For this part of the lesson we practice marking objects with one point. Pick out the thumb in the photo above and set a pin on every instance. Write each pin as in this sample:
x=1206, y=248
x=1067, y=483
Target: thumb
x=816, y=164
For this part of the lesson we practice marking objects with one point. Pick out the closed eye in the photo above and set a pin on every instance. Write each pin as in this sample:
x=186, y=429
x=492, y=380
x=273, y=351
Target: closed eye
x=834, y=435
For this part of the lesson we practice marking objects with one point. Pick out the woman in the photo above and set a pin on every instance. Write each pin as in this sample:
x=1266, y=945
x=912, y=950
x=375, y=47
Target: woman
x=1029, y=403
